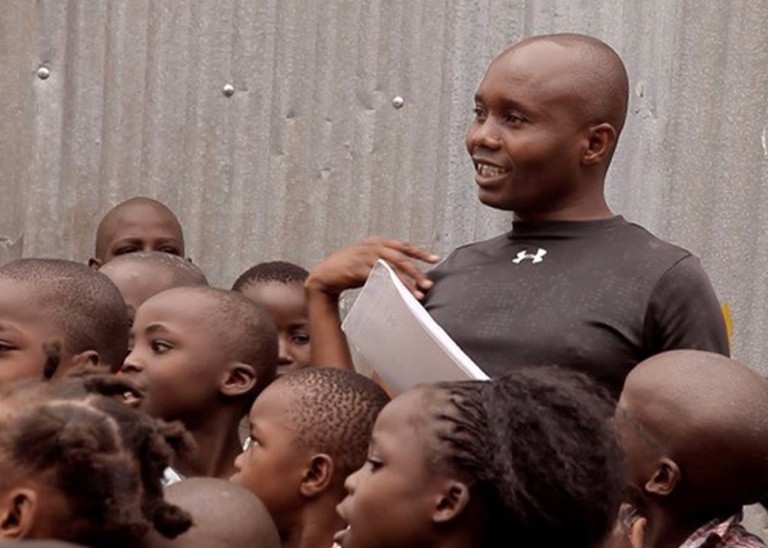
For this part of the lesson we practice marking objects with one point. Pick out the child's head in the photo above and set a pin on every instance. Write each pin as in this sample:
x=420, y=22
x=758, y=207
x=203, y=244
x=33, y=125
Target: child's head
x=198, y=349
x=45, y=301
x=695, y=430
x=142, y=275
x=527, y=460
x=225, y=515
x=279, y=287
x=308, y=431
x=137, y=224
x=84, y=470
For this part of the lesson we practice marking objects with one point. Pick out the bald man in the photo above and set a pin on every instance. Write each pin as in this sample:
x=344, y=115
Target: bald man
x=137, y=224
x=694, y=426
x=571, y=283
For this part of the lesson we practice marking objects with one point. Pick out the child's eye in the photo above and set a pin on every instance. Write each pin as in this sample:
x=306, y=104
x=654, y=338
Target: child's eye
x=169, y=249
x=249, y=443
x=126, y=249
x=160, y=347
x=479, y=112
x=374, y=464
x=514, y=118
x=300, y=338
x=6, y=347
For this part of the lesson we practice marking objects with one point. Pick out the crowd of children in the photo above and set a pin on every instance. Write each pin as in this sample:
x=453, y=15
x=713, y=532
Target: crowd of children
x=125, y=384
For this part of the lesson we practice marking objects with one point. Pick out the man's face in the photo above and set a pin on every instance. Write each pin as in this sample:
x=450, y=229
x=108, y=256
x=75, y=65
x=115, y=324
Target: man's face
x=24, y=329
x=140, y=227
x=528, y=133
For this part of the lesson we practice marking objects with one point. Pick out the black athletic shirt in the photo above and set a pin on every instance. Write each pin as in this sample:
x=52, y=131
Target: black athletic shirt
x=596, y=296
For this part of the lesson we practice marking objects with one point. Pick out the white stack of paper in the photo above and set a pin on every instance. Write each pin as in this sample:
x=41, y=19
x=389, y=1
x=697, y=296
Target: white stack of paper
x=399, y=339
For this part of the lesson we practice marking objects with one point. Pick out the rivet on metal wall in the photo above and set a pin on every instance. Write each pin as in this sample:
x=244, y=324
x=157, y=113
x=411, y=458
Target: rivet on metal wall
x=228, y=90
x=398, y=102
x=43, y=72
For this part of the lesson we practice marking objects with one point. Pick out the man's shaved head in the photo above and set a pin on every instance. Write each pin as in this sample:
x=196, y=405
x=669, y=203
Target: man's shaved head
x=709, y=414
x=594, y=70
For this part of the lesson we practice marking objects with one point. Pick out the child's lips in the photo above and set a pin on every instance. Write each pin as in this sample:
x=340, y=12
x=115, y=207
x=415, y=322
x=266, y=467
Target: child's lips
x=338, y=538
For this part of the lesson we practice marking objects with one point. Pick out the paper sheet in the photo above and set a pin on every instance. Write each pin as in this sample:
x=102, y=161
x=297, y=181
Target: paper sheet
x=399, y=339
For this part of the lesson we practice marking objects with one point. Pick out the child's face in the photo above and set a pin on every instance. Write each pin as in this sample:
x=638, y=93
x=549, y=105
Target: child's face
x=24, y=328
x=390, y=499
x=140, y=227
x=175, y=357
x=274, y=463
x=287, y=304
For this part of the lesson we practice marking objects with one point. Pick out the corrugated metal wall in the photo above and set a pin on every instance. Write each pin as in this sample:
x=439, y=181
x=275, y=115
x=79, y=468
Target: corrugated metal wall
x=309, y=154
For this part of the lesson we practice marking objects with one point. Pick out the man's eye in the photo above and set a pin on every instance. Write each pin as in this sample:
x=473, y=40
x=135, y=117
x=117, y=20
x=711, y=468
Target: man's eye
x=170, y=250
x=125, y=250
x=515, y=118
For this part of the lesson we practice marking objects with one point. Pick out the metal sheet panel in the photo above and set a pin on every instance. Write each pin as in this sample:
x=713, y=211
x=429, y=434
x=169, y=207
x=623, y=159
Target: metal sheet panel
x=309, y=153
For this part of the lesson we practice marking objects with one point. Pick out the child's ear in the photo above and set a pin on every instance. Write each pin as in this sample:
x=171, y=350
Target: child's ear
x=665, y=478
x=17, y=513
x=94, y=263
x=451, y=502
x=318, y=476
x=239, y=379
x=87, y=360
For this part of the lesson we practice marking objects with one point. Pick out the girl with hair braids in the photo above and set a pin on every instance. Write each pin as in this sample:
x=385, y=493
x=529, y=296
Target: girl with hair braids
x=527, y=460
x=76, y=465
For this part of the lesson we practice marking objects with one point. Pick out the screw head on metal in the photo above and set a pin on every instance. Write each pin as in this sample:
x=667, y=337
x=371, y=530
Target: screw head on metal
x=398, y=102
x=228, y=90
x=43, y=72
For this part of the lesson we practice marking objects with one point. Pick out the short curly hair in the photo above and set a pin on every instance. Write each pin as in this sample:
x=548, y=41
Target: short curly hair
x=537, y=447
x=87, y=306
x=106, y=458
x=272, y=271
x=333, y=412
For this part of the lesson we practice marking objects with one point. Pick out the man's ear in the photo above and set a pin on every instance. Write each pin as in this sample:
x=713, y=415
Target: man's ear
x=94, y=263
x=451, y=502
x=17, y=513
x=239, y=379
x=318, y=476
x=664, y=479
x=600, y=144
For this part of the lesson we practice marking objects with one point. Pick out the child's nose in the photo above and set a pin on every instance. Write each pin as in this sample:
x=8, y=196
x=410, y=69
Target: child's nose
x=350, y=484
x=132, y=364
x=283, y=357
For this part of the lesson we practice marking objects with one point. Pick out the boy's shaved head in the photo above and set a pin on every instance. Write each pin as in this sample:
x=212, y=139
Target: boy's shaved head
x=333, y=412
x=709, y=414
x=83, y=304
x=273, y=271
x=144, y=274
x=224, y=514
x=597, y=74
x=138, y=224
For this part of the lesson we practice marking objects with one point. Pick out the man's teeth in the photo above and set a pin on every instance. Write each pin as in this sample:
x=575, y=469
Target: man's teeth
x=489, y=171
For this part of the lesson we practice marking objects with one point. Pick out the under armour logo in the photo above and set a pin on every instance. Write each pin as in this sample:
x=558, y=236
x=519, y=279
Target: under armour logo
x=537, y=258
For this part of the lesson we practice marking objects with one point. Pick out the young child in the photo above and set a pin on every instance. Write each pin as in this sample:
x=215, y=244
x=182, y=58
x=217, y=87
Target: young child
x=144, y=274
x=47, y=301
x=202, y=355
x=225, y=515
x=81, y=469
x=137, y=224
x=279, y=287
x=528, y=460
x=694, y=426
x=308, y=431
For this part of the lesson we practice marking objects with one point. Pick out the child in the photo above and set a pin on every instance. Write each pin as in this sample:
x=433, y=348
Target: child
x=695, y=430
x=202, y=355
x=141, y=275
x=85, y=471
x=279, y=287
x=528, y=460
x=137, y=224
x=47, y=301
x=226, y=515
x=308, y=431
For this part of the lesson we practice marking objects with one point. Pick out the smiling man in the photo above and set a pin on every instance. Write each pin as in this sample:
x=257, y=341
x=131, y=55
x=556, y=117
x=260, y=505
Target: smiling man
x=571, y=283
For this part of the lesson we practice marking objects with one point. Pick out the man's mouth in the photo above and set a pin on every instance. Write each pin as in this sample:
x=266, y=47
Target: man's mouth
x=489, y=171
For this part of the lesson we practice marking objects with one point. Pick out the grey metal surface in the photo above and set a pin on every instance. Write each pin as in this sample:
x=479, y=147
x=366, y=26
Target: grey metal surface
x=270, y=126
